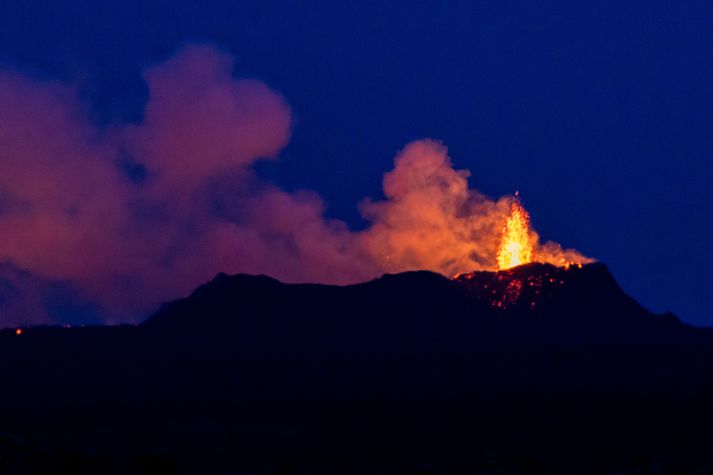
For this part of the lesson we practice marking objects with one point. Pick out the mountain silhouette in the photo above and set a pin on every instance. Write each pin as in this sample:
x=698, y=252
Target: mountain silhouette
x=536, y=369
x=421, y=313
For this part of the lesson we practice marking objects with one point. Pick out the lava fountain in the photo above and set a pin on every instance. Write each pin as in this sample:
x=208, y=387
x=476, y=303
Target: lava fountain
x=515, y=243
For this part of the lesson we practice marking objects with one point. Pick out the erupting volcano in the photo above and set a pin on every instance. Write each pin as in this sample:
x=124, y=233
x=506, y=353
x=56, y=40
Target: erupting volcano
x=527, y=273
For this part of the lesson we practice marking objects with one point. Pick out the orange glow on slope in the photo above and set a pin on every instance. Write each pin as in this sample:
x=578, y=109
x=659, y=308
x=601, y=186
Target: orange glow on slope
x=515, y=244
x=18, y=331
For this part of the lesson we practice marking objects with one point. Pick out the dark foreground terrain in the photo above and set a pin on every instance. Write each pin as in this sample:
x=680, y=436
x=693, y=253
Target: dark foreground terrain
x=533, y=370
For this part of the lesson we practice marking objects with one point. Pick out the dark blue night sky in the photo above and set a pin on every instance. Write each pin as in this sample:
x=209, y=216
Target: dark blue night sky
x=600, y=114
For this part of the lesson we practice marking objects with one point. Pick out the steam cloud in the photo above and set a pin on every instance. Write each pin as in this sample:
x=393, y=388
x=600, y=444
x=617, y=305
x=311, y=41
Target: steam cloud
x=70, y=213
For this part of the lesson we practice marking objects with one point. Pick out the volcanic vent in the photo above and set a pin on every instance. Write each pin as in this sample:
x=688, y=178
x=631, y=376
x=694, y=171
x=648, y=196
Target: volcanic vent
x=523, y=288
x=527, y=275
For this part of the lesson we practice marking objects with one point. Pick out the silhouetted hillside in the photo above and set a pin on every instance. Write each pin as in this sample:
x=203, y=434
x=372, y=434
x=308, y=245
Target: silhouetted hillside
x=421, y=313
x=537, y=369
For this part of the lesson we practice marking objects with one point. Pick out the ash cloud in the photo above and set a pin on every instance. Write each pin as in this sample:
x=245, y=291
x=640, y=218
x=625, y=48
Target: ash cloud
x=70, y=213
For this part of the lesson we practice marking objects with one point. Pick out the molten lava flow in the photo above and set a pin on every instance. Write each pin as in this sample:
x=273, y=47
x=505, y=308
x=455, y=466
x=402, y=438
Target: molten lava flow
x=515, y=246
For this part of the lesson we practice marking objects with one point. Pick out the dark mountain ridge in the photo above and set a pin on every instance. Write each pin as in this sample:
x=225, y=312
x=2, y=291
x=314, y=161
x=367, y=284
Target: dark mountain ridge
x=423, y=312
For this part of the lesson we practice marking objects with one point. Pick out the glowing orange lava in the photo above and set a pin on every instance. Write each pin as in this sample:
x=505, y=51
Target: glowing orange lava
x=515, y=245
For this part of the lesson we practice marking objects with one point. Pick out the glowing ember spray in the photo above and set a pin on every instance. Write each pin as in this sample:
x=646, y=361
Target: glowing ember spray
x=515, y=244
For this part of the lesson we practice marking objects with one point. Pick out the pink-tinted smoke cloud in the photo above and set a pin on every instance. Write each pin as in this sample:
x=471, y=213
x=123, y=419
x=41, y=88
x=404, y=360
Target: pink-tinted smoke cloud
x=69, y=213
